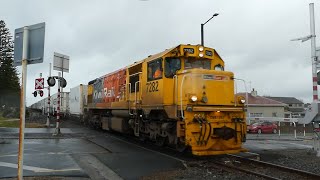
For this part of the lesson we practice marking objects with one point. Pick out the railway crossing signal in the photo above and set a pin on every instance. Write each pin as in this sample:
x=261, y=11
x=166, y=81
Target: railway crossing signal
x=39, y=83
x=35, y=93
x=52, y=81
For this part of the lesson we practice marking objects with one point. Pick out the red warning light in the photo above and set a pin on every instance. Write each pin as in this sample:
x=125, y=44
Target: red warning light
x=41, y=93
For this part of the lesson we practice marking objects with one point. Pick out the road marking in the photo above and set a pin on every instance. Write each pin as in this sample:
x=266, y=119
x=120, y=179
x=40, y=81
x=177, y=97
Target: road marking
x=30, y=168
x=302, y=145
x=182, y=161
x=36, y=169
x=55, y=153
x=95, y=168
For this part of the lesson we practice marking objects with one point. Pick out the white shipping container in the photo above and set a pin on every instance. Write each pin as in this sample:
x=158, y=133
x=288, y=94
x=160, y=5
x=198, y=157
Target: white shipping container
x=64, y=104
x=78, y=99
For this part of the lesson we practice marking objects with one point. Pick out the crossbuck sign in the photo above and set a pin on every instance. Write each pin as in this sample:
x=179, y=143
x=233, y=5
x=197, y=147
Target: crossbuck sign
x=39, y=83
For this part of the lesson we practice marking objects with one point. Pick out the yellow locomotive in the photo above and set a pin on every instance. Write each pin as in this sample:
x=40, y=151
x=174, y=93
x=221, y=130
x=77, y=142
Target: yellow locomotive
x=181, y=97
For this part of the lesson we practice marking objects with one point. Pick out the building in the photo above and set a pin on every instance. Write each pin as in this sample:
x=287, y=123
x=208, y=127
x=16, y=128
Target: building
x=259, y=106
x=294, y=109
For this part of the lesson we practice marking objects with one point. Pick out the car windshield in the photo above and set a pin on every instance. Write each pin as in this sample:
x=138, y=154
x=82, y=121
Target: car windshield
x=256, y=124
x=192, y=63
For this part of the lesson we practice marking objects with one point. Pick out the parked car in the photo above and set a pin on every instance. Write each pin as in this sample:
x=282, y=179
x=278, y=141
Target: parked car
x=262, y=127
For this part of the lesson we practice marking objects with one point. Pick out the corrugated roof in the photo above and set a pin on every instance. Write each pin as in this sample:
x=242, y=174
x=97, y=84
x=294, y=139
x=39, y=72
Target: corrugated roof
x=261, y=101
x=286, y=100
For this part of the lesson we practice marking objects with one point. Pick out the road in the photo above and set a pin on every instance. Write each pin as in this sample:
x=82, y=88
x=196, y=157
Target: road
x=80, y=152
x=87, y=153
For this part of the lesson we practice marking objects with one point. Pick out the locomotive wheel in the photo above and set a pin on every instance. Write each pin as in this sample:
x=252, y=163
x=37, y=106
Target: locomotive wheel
x=180, y=146
x=161, y=141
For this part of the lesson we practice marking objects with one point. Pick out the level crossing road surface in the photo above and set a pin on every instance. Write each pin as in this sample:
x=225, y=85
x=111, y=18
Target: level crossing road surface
x=262, y=142
x=79, y=152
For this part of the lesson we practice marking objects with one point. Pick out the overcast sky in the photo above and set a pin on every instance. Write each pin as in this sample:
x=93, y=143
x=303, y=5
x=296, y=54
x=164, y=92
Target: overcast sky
x=100, y=36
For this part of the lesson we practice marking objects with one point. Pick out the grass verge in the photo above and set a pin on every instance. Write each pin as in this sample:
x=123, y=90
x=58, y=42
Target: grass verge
x=14, y=123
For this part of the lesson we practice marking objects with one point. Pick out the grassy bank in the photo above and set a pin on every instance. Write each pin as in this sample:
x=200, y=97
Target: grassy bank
x=14, y=123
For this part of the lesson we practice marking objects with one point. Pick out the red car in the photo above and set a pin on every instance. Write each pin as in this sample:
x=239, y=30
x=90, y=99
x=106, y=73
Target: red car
x=262, y=127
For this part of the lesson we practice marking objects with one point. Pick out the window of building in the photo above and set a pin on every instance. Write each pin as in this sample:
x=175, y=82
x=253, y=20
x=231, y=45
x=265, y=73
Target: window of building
x=171, y=65
x=155, y=69
x=274, y=114
x=256, y=114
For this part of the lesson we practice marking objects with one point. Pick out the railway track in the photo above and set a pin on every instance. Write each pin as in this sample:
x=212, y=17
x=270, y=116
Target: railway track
x=263, y=169
x=228, y=163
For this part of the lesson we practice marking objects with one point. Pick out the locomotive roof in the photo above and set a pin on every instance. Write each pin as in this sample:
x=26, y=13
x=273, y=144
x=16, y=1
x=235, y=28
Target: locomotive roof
x=158, y=55
x=155, y=56
x=149, y=58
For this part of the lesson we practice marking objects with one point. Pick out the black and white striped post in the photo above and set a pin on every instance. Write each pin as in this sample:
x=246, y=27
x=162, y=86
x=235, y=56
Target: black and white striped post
x=57, y=130
x=48, y=113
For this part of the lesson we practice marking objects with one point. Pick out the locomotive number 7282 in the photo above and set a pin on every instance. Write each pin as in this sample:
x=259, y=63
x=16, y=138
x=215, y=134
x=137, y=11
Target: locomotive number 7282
x=152, y=86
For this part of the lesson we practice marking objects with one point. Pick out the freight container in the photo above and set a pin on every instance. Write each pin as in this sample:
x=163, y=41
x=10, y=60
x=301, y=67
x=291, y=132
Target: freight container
x=64, y=104
x=77, y=100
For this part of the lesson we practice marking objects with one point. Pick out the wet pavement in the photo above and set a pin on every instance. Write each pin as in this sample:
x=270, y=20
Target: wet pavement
x=263, y=142
x=79, y=152
x=87, y=153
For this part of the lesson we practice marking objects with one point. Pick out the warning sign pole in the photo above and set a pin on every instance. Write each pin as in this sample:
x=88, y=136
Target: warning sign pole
x=23, y=102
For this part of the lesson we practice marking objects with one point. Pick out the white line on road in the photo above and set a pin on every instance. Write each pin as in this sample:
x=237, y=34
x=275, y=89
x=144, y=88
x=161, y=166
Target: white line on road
x=55, y=153
x=30, y=168
x=36, y=169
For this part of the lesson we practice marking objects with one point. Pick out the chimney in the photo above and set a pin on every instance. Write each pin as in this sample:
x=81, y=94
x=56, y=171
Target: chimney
x=254, y=93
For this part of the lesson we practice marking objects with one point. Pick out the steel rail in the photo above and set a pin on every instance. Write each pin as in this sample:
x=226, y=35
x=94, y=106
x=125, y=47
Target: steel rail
x=303, y=173
x=223, y=166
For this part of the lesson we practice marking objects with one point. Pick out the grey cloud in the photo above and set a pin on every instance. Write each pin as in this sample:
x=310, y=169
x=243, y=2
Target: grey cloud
x=100, y=36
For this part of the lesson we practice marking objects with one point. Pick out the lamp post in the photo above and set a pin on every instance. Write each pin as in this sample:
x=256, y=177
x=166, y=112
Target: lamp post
x=215, y=14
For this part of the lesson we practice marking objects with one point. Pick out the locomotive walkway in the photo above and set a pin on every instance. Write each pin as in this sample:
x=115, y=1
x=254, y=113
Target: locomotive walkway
x=80, y=152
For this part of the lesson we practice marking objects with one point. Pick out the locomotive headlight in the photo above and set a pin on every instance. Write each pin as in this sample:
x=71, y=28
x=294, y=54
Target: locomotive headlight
x=194, y=98
x=200, y=48
x=201, y=54
x=241, y=100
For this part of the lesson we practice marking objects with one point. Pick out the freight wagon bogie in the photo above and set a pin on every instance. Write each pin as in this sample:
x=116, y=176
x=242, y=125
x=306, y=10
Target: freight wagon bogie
x=181, y=97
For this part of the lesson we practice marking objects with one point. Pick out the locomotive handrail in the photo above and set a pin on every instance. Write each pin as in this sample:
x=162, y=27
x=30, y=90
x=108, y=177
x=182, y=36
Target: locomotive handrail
x=135, y=74
x=175, y=81
x=181, y=109
x=135, y=91
x=129, y=98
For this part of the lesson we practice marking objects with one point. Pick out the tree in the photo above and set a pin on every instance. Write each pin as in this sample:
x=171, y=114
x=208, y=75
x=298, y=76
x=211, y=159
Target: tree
x=9, y=80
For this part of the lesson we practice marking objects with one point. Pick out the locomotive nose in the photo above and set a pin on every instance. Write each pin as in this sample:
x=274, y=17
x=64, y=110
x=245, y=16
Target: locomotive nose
x=207, y=87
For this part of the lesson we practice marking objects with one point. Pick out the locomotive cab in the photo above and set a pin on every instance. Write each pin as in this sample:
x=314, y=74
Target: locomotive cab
x=195, y=91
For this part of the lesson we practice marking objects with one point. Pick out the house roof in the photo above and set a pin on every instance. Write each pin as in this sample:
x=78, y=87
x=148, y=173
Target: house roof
x=287, y=100
x=261, y=101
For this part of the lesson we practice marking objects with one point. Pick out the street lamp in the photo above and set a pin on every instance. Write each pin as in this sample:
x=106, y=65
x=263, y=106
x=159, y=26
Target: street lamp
x=215, y=14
